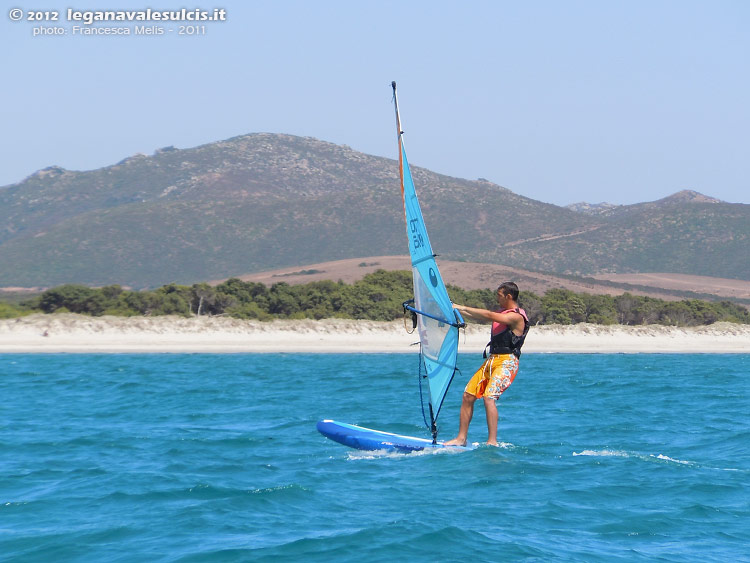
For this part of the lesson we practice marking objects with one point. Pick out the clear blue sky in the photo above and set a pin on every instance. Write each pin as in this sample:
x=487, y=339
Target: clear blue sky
x=560, y=101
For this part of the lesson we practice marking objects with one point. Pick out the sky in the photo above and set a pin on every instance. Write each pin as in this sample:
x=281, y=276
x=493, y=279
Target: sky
x=561, y=101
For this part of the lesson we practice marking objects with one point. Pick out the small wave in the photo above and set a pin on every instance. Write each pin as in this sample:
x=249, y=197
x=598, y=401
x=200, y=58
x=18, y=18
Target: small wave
x=391, y=454
x=603, y=453
x=291, y=488
x=667, y=458
x=633, y=455
x=380, y=454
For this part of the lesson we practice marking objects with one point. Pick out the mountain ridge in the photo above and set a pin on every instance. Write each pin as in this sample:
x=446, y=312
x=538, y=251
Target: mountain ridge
x=262, y=201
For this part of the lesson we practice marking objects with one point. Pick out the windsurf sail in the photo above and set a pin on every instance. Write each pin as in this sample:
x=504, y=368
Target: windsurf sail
x=437, y=321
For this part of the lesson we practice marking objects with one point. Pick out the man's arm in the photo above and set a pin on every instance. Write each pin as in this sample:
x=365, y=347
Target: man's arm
x=513, y=320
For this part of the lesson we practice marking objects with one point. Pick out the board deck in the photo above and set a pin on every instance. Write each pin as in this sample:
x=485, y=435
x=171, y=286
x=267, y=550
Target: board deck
x=362, y=438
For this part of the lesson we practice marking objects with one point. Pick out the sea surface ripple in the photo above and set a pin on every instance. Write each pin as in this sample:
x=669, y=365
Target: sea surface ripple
x=180, y=457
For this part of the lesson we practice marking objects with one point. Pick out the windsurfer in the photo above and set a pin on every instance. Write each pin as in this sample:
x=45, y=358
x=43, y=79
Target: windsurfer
x=509, y=327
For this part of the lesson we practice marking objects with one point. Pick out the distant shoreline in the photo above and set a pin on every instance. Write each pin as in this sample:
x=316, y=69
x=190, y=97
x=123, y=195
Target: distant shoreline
x=70, y=333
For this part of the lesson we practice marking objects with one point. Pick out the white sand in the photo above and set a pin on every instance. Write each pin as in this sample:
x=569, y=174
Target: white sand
x=77, y=333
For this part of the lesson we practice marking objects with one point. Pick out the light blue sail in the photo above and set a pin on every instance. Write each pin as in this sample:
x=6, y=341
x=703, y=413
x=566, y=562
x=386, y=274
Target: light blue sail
x=437, y=322
x=436, y=319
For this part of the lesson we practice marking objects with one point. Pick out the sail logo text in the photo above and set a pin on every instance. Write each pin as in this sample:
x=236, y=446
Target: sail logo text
x=416, y=235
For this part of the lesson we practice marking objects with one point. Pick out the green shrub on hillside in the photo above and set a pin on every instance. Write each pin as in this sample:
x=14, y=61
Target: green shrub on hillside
x=8, y=311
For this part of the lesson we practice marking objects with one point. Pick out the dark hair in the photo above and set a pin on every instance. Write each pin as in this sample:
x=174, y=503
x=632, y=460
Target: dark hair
x=509, y=288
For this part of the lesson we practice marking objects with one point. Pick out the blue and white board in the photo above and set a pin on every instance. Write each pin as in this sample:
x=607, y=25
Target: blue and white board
x=362, y=438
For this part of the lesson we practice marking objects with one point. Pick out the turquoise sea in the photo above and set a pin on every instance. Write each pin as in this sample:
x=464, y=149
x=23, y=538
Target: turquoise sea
x=216, y=458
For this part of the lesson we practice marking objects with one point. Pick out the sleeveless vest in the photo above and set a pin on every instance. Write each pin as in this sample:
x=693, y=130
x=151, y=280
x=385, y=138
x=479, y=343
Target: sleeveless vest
x=504, y=340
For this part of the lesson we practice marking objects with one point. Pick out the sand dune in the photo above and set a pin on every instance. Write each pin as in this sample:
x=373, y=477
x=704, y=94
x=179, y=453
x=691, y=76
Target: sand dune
x=77, y=333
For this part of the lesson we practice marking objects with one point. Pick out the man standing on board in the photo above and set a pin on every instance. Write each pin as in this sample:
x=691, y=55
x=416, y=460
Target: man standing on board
x=510, y=324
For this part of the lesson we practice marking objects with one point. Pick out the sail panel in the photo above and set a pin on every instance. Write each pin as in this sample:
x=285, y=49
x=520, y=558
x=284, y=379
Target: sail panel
x=439, y=338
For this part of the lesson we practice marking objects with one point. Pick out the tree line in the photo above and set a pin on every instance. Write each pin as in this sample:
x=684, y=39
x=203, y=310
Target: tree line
x=378, y=296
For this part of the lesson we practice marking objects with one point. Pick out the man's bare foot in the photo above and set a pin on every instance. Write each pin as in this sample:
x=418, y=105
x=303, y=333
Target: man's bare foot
x=493, y=444
x=455, y=442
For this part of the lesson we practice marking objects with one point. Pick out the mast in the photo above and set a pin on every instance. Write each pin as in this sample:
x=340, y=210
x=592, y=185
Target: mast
x=399, y=133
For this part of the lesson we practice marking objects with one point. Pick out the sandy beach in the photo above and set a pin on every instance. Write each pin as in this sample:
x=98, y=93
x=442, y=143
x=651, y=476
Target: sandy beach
x=69, y=333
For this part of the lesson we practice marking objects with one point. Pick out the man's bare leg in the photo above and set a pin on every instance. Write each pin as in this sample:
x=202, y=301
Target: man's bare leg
x=490, y=410
x=467, y=411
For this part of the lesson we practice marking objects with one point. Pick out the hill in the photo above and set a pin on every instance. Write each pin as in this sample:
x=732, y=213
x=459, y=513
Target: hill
x=472, y=275
x=686, y=233
x=266, y=201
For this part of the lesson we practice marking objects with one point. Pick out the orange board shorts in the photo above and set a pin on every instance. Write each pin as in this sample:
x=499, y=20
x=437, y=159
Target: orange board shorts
x=492, y=379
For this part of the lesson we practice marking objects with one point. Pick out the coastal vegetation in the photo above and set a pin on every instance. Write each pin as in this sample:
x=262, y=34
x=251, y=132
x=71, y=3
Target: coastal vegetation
x=378, y=296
